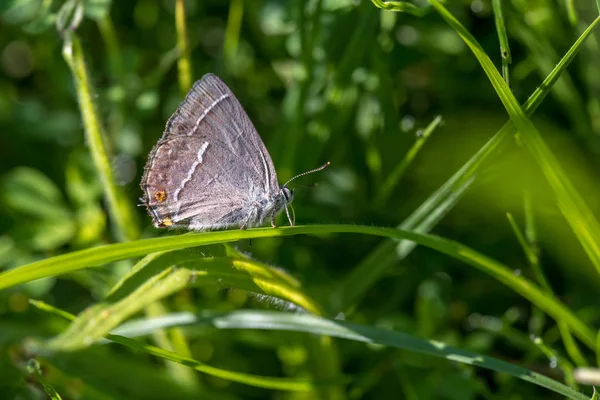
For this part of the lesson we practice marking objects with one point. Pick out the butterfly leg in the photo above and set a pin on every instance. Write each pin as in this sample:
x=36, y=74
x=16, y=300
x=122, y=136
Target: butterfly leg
x=250, y=220
x=273, y=221
x=244, y=226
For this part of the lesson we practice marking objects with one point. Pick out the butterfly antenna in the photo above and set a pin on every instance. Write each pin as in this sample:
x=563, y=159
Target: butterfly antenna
x=306, y=173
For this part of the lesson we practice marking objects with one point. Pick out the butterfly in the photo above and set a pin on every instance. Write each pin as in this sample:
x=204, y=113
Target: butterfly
x=210, y=169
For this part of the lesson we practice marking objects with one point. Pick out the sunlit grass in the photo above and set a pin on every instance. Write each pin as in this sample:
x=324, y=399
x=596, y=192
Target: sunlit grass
x=336, y=81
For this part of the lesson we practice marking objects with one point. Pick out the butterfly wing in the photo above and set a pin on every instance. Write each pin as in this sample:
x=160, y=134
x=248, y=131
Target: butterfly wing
x=209, y=164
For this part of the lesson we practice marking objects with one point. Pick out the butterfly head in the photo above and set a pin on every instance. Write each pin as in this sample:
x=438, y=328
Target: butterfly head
x=288, y=194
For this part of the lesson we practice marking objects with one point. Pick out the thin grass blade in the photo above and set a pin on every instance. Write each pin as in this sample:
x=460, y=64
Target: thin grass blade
x=269, y=320
x=447, y=196
x=86, y=258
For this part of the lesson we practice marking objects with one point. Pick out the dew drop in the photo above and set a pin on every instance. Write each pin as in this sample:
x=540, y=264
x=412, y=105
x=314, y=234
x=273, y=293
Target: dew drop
x=407, y=123
x=477, y=6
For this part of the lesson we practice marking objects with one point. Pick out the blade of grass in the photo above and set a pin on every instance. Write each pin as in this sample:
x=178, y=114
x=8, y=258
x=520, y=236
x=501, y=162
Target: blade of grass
x=565, y=92
x=184, y=64
x=248, y=379
x=571, y=204
x=34, y=368
x=271, y=320
x=93, y=371
x=309, y=29
x=103, y=254
x=267, y=382
x=173, y=340
x=118, y=205
x=598, y=336
x=530, y=242
x=402, y=6
x=502, y=36
x=390, y=183
x=564, y=365
x=371, y=268
x=363, y=276
x=160, y=275
x=529, y=253
x=571, y=12
x=110, y=37
x=232, y=30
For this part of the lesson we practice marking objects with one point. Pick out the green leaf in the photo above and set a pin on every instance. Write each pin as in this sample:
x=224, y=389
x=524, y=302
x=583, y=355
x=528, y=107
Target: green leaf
x=33, y=15
x=82, y=183
x=269, y=320
x=44, y=234
x=29, y=192
x=103, y=254
x=249, y=379
x=91, y=224
x=42, y=219
x=96, y=9
x=161, y=274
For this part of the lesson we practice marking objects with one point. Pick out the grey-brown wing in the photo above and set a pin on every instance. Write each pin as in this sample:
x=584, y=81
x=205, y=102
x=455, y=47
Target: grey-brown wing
x=212, y=111
x=210, y=161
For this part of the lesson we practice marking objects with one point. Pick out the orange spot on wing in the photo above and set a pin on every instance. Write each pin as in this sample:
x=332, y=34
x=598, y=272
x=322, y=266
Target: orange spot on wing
x=160, y=196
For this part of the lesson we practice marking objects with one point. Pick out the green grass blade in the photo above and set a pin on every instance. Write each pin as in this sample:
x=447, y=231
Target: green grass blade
x=184, y=63
x=571, y=204
x=598, y=348
x=113, y=47
x=565, y=91
x=371, y=268
x=34, y=368
x=103, y=254
x=287, y=384
x=232, y=30
x=401, y=6
x=248, y=379
x=269, y=320
x=571, y=12
x=158, y=276
x=119, y=207
x=562, y=364
x=530, y=244
x=173, y=340
x=390, y=183
x=527, y=249
x=503, y=37
x=384, y=256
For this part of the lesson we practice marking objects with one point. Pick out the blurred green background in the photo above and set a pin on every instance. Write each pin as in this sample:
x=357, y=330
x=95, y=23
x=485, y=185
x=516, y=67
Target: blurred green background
x=322, y=80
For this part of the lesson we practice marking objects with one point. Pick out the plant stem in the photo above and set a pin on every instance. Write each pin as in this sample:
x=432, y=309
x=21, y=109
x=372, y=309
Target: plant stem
x=121, y=213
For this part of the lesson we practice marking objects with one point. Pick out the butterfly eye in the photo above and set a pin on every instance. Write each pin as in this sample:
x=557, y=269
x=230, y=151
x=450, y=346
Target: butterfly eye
x=288, y=194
